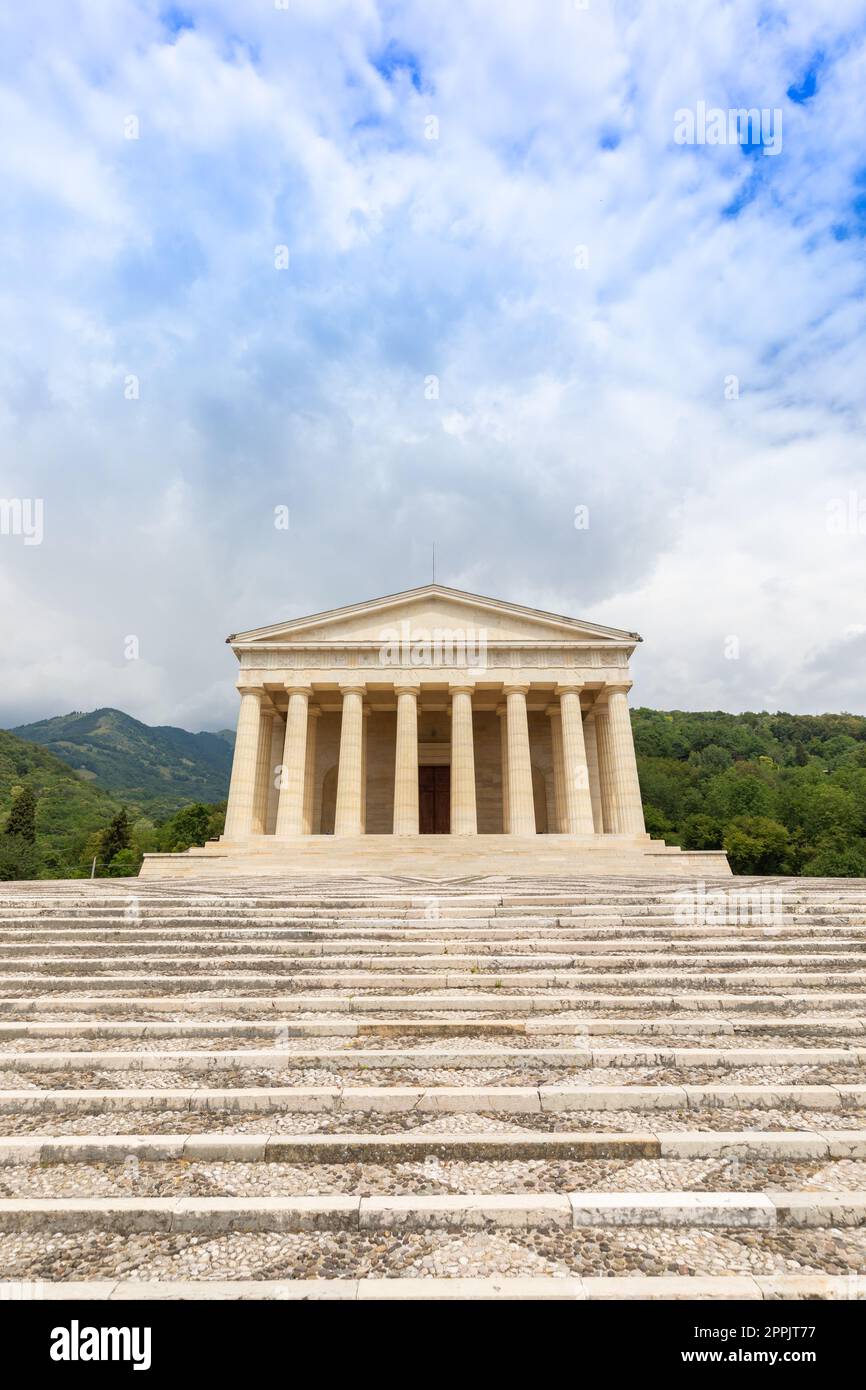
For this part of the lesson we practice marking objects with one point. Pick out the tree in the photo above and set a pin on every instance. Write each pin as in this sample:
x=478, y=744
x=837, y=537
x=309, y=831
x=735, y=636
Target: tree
x=756, y=845
x=701, y=832
x=191, y=825
x=115, y=837
x=22, y=816
x=18, y=859
x=125, y=864
x=657, y=823
x=837, y=861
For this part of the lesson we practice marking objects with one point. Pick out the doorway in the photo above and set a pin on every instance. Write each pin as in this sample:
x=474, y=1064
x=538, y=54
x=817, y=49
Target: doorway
x=434, y=800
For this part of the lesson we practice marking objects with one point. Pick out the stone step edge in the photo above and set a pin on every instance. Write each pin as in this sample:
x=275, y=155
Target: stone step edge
x=436, y=1100
x=798, y=1145
x=421, y=1003
x=17, y=959
x=301, y=981
x=517, y=1027
x=750, y=1287
x=538, y=1211
x=350, y=1059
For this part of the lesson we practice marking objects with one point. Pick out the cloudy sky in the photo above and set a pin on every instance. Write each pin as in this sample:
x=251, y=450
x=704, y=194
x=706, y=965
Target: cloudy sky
x=240, y=238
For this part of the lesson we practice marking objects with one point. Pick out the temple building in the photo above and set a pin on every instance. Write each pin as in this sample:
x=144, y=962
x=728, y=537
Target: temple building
x=435, y=733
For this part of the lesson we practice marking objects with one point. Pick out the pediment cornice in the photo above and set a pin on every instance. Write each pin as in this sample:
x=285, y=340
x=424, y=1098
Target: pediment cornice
x=432, y=603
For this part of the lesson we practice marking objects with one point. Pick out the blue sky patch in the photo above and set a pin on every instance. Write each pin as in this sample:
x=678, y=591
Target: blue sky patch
x=395, y=60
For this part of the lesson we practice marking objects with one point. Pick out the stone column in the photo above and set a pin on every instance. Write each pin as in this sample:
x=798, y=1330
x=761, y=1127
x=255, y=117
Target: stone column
x=521, y=807
x=290, y=812
x=555, y=718
x=313, y=716
x=589, y=739
x=275, y=762
x=263, y=758
x=503, y=754
x=628, y=808
x=365, y=733
x=348, y=818
x=464, y=819
x=605, y=769
x=575, y=774
x=406, y=762
x=239, y=811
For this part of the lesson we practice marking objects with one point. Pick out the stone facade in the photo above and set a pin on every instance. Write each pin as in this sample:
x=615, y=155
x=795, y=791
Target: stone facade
x=374, y=733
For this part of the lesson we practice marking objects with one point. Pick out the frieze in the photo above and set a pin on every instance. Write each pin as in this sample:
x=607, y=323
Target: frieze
x=494, y=657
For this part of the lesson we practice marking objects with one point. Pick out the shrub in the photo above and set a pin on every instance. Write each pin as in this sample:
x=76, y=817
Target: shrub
x=756, y=845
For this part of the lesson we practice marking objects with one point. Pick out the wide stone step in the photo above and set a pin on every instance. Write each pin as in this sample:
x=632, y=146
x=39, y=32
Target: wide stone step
x=436, y=1100
x=339, y=940
x=543, y=1211
x=301, y=962
x=355, y=1028
x=381, y=1059
x=540, y=979
x=409, y=1148
x=790, y=1003
x=753, y=1288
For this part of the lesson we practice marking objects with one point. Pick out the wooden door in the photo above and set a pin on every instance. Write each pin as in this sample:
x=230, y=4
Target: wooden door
x=434, y=800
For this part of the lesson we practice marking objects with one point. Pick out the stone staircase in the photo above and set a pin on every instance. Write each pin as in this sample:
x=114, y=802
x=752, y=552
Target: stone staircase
x=387, y=1088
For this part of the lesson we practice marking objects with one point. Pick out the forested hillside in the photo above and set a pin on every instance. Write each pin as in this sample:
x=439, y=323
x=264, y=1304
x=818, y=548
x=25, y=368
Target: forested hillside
x=780, y=792
x=155, y=768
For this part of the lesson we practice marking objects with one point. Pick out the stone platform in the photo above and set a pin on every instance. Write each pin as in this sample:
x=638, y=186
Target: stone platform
x=382, y=1088
x=440, y=856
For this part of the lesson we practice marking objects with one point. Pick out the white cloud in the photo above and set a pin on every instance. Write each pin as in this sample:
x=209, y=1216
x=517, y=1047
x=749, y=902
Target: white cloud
x=411, y=257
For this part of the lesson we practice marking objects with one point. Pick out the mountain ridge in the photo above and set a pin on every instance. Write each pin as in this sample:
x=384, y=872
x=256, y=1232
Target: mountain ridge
x=153, y=768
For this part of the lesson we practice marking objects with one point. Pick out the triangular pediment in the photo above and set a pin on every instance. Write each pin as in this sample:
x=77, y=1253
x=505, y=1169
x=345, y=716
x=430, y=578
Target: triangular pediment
x=425, y=610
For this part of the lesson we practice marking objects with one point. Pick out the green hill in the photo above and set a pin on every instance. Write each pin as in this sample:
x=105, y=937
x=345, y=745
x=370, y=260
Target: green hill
x=781, y=792
x=69, y=810
x=153, y=769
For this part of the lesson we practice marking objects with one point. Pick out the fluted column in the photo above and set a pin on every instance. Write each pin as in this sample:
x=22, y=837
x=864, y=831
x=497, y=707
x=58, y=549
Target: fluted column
x=502, y=713
x=628, y=808
x=464, y=818
x=520, y=802
x=242, y=786
x=290, y=812
x=348, y=819
x=313, y=716
x=406, y=762
x=589, y=739
x=553, y=714
x=263, y=758
x=605, y=769
x=575, y=774
x=365, y=736
x=275, y=763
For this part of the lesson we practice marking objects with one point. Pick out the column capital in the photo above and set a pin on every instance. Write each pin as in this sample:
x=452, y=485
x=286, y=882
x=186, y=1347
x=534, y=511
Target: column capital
x=404, y=689
x=314, y=712
x=502, y=710
x=568, y=687
x=514, y=689
x=247, y=689
x=618, y=687
x=461, y=688
x=292, y=689
x=353, y=688
x=551, y=710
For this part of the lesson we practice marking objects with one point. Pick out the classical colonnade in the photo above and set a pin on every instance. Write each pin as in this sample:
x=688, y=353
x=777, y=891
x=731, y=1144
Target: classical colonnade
x=595, y=782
